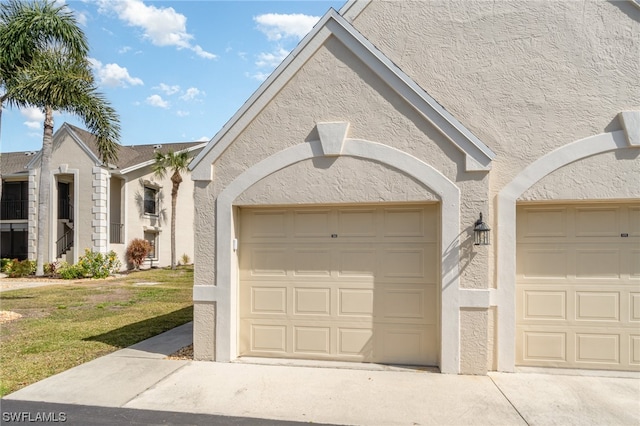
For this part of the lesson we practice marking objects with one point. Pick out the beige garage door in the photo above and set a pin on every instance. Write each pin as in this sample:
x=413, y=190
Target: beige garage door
x=578, y=286
x=340, y=283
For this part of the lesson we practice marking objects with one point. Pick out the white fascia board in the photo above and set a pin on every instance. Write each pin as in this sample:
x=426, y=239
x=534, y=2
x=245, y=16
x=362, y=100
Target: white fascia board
x=478, y=154
x=352, y=9
x=150, y=162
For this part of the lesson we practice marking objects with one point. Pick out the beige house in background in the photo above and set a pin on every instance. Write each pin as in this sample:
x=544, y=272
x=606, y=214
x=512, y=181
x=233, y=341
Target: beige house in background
x=335, y=212
x=94, y=206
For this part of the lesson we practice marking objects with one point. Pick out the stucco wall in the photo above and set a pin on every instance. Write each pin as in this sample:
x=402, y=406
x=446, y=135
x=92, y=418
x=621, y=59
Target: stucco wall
x=136, y=220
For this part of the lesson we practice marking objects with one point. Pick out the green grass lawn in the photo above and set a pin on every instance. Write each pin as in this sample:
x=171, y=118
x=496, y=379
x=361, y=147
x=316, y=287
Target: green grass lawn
x=63, y=326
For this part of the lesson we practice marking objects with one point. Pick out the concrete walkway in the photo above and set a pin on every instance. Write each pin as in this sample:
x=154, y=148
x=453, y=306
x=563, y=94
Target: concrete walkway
x=140, y=378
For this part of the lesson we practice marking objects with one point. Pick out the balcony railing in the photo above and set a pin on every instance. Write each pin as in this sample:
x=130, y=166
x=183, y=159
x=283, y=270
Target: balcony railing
x=16, y=209
x=64, y=243
x=115, y=233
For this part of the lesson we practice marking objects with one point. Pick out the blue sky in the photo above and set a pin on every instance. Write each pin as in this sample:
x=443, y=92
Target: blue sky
x=176, y=71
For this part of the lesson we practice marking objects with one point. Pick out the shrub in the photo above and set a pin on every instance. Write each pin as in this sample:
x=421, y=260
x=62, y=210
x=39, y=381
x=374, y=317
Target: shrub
x=22, y=268
x=70, y=272
x=5, y=265
x=185, y=259
x=137, y=251
x=50, y=268
x=98, y=265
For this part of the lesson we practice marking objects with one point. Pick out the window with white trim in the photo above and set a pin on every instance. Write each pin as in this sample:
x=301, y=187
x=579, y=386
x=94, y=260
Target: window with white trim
x=150, y=200
x=152, y=237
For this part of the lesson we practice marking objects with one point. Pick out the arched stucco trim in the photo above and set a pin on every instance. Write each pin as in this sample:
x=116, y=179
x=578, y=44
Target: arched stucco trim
x=506, y=219
x=225, y=290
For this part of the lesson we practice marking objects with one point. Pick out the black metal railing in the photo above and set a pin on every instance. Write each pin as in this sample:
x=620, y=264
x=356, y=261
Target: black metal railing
x=64, y=243
x=15, y=209
x=65, y=209
x=115, y=233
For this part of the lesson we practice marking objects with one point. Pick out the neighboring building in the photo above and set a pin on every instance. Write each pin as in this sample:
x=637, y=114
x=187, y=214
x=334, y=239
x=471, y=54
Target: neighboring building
x=336, y=209
x=94, y=206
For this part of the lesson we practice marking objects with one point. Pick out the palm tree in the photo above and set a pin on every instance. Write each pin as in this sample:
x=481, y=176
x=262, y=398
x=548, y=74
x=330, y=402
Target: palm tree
x=44, y=64
x=175, y=163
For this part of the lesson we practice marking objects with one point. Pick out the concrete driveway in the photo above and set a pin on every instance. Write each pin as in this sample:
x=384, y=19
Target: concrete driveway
x=140, y=377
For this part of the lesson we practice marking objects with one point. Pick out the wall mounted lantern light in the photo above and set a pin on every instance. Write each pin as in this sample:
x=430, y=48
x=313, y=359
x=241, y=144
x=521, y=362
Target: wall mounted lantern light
x=481, y=233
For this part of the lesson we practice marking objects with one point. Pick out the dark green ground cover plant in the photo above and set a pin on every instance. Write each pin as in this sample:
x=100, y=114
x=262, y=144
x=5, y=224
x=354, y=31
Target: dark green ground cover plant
x=67, y=324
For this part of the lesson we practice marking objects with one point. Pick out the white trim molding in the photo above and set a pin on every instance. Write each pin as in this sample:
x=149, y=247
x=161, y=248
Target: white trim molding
x=453, y=297
x=506, y=243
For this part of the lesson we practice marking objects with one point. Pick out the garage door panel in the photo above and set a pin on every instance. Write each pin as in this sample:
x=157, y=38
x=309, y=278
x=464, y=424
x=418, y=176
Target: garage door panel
x=266, y=224
x=597, y=263
x=312, y=301
x=545, y=346
x=311, y=262
x=268, y=338
x=543, y=263
x=597, y=306
x=634, y=350
x=598, y=348
x=268, y=300
x=543, y=222
x=266, y=261
x=311, y=340
x=634, y=221
x=634, y=307
x=356, y=262
x=347, y=283
x=356, y=342
x=311, y=223
x=357, y=223
x=355, y=302
x=577, y=295
x=545, y=305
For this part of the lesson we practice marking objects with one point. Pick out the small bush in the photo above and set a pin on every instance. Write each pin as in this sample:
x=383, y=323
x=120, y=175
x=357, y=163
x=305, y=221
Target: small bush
x=185, y=259
x=98, y=265
x=50, y=268
x=70, y=272
x=5, y=264
x=22, y=268
x=137, y=251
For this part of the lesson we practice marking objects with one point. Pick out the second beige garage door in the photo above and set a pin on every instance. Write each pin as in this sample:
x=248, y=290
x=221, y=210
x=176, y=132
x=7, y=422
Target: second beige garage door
x=340, y=283
x=578, y=288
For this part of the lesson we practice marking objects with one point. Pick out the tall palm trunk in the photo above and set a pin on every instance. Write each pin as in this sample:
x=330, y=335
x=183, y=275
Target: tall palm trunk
x=43, y=190
x=176, y=179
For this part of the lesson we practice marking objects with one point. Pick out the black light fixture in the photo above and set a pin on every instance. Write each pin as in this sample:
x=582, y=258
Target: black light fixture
x=481, y=233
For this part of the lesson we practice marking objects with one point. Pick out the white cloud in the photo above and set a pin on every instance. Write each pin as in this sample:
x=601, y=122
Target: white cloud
x=81, y=17
x=162, y=25
x=203, y=139
x=271, y=60
x=113, y=75
x=124, y=49
x=169, y=90
x=277, y=26
x=157, y=101
x=260, y=76
x=180, y=113
x=35, y=117
x=191, y=93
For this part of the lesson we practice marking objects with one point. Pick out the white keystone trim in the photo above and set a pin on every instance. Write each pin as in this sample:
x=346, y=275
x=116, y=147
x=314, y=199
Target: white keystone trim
x=332, y=136
x=630, y=121
x=226, y=289
x=332, y=24
x=506, y=243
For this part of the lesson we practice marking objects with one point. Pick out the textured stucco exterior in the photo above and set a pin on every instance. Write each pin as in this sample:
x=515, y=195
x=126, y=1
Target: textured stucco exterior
x=528, y=79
